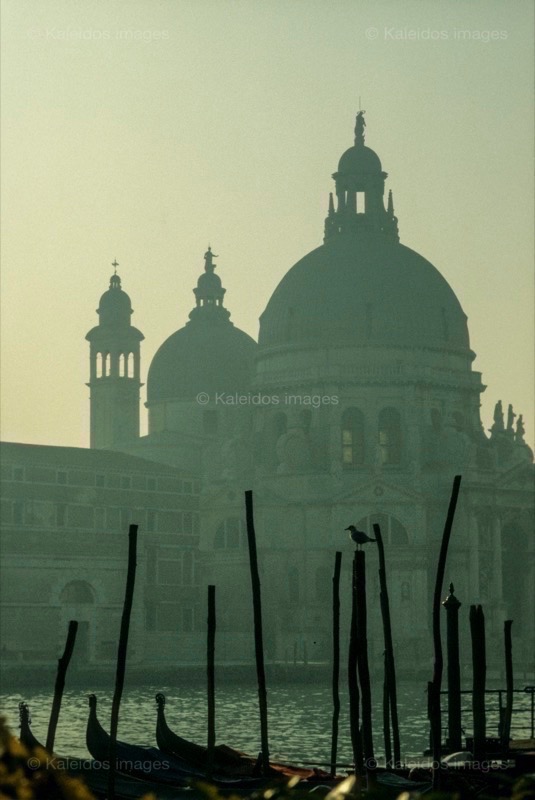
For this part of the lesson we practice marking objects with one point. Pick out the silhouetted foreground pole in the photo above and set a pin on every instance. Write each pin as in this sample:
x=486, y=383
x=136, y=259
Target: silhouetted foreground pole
x=210, y=669
x=479, y=666
x=434, y=687
x=452, y=606
x=386, y=715
x=63, y=664
x=121, y=656
x=508, y=644
x=390, y=669
x=354, y=696
x=258, y=639
x=336, y=659
x=362, y=665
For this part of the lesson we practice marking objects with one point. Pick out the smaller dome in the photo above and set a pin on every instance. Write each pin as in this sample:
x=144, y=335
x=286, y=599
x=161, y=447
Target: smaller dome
x=209, y=280
x=207, y=355
x=358, y=159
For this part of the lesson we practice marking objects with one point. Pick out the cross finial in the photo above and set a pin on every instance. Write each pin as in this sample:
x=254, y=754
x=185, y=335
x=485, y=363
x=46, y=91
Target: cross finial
x=115, y=264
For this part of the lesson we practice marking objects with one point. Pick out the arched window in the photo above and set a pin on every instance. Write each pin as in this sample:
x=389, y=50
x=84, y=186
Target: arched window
x=392, y=531
x=353, y=442
x=390, y=436
x=76, y=593
x=293, y=585
x=230, y=534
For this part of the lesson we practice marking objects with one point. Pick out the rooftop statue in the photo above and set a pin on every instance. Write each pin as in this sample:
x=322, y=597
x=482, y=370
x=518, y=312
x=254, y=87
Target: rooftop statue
x=359, y=128
x=209, y=265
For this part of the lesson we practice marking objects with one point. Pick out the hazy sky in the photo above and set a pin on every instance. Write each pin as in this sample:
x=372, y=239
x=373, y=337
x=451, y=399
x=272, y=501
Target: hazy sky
x=143, y=131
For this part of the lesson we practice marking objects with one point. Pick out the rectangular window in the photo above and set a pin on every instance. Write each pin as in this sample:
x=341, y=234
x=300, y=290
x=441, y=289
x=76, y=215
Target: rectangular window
x=361, y=202
x=125, y=518
x=151, y=520
x=18, y=513
x=187, y=526
x=169, y=617
x=18, y=473
x=61, y=515
x=100, y=518
x=61, y=477
x=170, y=573
x=187, y=620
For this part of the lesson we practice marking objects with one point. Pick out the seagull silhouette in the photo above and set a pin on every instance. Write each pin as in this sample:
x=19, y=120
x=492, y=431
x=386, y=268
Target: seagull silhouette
x=359, y=537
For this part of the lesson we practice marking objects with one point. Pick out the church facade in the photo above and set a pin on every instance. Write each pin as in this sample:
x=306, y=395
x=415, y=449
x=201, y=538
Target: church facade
x=358, y=404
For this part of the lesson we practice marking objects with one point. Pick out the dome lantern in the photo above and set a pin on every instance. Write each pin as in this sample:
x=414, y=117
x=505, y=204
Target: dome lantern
x=360, y=186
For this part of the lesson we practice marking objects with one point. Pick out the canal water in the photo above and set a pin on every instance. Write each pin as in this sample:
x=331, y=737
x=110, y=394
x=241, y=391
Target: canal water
x=299, y=719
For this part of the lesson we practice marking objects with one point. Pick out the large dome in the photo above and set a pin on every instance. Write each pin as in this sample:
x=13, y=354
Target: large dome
x=207, y=355
x=364, y=291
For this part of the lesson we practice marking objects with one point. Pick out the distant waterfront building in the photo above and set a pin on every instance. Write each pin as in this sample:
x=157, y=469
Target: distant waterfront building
x=359, y=404
x=65, y=517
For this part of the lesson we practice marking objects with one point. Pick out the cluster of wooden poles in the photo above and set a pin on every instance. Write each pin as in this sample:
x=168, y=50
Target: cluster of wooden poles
x=360, y=706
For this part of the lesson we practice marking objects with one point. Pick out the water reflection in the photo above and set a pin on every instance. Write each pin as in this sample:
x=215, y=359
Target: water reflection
x=299, y=719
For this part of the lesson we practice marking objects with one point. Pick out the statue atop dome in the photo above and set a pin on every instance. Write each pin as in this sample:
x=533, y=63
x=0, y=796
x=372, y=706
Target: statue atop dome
x=209, y=265
x=360, y=124
x=209, y=291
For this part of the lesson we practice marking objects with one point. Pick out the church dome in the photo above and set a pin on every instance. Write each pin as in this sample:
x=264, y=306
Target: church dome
x=359, y=159
x=364, y=291
x=209, y=354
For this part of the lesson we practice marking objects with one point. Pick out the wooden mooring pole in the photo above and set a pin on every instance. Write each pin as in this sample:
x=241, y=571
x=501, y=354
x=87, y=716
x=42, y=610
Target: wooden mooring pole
x=452, y=606
x=63, y=664
x=434, y=686
x=336, y=660
x=508, y=645
x=258, y=638
x=479, y=666
x=390, y=668
x=210, y=670
x=121, y=656
x=363, y=667
x=352, y=682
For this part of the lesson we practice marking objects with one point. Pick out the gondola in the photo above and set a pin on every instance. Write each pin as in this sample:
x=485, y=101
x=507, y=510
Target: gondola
x=146, y=763
x=26, y=735
x=91, y=774
x=150, y=763
x=227, y=760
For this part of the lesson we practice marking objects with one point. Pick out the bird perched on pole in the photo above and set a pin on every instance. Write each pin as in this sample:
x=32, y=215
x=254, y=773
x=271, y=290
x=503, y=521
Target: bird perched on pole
x=359, y=537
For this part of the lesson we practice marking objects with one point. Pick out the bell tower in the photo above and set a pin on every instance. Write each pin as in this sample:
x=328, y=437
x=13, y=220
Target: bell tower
x=114, y=360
